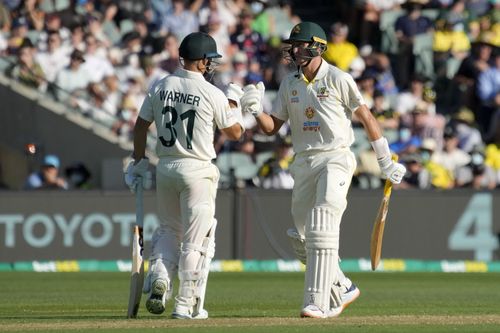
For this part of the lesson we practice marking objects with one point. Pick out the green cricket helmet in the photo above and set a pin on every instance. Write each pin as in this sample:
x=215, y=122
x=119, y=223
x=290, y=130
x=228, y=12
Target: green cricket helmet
x=307, y=32
x=198, y=45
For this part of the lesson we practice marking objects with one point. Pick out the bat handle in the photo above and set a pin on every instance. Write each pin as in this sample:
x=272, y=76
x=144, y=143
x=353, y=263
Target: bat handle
x=388, y=183
x=139, y=210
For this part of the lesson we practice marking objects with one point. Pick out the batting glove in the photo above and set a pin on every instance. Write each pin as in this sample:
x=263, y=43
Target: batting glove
x=252, y=99
x=138, y=175
x=234, y=92
x=391, y=170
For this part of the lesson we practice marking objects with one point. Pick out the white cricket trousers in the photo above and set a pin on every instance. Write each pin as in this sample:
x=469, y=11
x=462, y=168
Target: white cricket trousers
x=322, y=179
x=186, y=190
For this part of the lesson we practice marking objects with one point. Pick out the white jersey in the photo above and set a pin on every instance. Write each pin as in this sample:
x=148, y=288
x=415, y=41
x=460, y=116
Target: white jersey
x=185, y=108
x=319, y=111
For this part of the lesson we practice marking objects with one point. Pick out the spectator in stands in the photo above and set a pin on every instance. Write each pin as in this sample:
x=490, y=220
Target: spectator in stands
x=96, y=63
x=55, y=58
x=18, y=35
x=476, y=174
x=407, y=141
x=94, y=26
x=237, y=72
x=53, y=23
x=366, y=83
x=407, y=100
x=218, y=11
x=416, y=175
x=434, y=174
x=48, y=177
x=275, y=173
x=427, y=125
x=149, y=42
x=5, y=19
x=26, y=70
x=407, y=27
x=451, y=157
x=180, y=20
x=219, y=33
x=340, y=52
x=469, y=137
x=451, y=45
x=467, y=76
x=383, y=112
x=30, y=9
x=169, y=60
x=77, y=37
x=488, y=90
x=152, y=73
x=382, y=72
x=369, y=26
x=492, y=151
x=247, y=40
x=254, y=74
x=73, y=80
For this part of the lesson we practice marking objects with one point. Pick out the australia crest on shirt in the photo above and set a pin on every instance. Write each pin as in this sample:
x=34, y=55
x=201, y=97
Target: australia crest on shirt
x=295, y=98
x=322, y=93
x=310, y=124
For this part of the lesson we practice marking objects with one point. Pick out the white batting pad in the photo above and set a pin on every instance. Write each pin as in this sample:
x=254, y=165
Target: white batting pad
x=322, y=244
x=194, y=266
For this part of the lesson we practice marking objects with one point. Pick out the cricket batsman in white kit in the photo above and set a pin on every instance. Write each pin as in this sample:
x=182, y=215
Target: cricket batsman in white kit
x=318, y=100
x=184, y=107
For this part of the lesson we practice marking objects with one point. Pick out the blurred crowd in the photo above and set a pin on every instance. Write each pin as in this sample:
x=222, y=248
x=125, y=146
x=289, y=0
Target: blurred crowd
x=429, y=71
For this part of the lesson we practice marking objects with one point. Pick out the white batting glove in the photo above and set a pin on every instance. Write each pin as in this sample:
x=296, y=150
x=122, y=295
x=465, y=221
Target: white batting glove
x=391, y=170
x=252, y=99
x=138, y=175
x=234, y=92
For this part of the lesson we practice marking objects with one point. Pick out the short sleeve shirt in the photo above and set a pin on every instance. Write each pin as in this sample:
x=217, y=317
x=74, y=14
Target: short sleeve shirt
x=186, y=108
x=319, y=111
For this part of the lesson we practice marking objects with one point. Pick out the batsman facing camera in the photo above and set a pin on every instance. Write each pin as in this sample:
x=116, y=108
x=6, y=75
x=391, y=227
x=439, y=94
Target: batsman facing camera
x=318, y=102
x=307, y=40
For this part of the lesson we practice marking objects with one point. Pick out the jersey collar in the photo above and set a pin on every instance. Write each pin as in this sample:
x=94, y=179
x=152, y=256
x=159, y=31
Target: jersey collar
x=189, y=74
x=323, y=70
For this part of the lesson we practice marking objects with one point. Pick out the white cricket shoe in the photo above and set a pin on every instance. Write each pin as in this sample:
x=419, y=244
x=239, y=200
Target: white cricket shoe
x=312, y=311
x=157, y=297
x=202, y=314
x=182, y=312
x=349, y=296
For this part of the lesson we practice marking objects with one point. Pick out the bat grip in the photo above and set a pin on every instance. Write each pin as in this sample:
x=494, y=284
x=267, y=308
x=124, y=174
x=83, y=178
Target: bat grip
x=139, y=210
x=388, y=183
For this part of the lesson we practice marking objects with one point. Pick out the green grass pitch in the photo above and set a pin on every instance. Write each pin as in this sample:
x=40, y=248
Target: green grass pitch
x=253, y=302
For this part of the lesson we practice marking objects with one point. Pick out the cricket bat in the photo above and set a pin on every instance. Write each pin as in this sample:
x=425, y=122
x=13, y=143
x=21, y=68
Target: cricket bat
x=137, y=277
x=378, y=226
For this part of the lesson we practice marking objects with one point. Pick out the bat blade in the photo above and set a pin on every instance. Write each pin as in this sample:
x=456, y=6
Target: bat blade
x=379, y=225
x=137, y=276
x=378, y=233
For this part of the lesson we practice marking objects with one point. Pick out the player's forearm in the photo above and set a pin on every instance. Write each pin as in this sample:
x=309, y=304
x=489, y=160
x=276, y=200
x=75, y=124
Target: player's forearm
x=267, y=123
x=370, y=124
x=140, y=138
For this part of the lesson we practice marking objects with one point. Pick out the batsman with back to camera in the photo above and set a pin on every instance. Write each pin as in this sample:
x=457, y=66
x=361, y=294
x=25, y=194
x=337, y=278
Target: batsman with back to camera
x=318, y=100
x=184, y=107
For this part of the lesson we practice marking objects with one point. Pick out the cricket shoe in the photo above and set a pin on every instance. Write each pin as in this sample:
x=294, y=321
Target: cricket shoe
x=157, y=297
x=313, y=311
x=349, y=296
x=201, y=314
x=183, y=312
